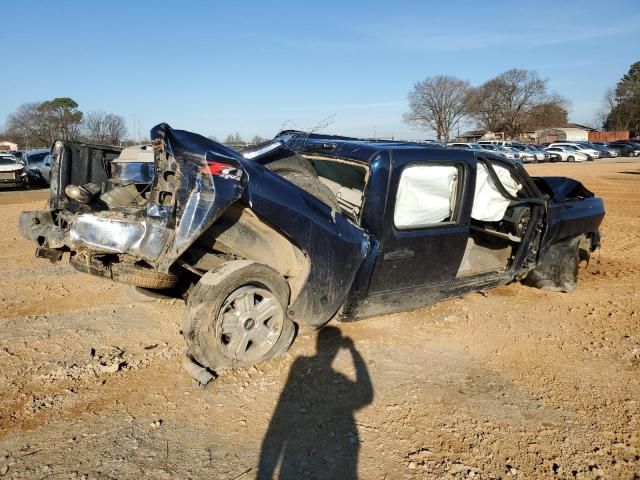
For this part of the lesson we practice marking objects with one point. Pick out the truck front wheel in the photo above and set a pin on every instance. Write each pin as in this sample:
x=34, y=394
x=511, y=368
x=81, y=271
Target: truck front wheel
x=557, y=269
x=237, y=316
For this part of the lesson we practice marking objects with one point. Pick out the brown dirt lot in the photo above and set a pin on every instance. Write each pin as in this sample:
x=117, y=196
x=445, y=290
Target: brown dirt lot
x=516, y=382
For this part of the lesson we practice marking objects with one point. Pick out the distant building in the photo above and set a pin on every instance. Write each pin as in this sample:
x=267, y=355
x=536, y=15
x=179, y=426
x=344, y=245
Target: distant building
x=571, y=132
x=474, y=135
x=566, y=134
x=582, y=127
x=470, y=136
x=6, y=146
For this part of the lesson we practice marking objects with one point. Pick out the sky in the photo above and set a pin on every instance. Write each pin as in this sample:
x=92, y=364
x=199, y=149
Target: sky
x=255, y=67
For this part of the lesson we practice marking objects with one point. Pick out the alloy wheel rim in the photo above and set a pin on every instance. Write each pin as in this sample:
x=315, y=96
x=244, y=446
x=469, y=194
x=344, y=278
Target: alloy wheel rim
x=249, y=323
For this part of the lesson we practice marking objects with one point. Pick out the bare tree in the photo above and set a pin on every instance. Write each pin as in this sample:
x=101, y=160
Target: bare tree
x=24, y=126
x=105, y=128
x=438, y=103
x=606, y=106
x=116, y=128
x=234, y=139
x=257, y=139
x=94, y=127
x=506, y=102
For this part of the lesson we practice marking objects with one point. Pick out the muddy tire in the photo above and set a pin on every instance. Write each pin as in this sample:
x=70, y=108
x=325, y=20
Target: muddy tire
x=237, y=316
x=125, y=273
x=557, y=269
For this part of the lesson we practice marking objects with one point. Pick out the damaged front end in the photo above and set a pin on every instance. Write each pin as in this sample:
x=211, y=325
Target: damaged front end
x=131, y=220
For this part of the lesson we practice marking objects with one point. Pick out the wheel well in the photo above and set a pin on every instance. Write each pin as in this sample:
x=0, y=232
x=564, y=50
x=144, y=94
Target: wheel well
x=240, y=233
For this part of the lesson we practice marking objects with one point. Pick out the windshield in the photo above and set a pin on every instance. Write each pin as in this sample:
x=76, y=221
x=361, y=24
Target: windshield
x=36, y=157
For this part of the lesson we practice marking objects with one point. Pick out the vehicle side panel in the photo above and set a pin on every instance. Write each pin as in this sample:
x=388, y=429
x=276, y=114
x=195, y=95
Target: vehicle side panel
x=335, y=246
x=415, y=267
x=572, y=218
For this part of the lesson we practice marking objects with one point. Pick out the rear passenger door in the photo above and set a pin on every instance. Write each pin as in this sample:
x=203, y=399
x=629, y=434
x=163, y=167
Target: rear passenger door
x=426, y=227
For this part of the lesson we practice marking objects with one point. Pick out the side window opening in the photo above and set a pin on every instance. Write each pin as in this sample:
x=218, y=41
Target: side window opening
x=426, y=196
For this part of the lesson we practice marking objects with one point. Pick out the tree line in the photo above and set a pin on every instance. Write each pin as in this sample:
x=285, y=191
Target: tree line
x=236, y=140
x=513, y=102
x=621, y=105
x=42, y=123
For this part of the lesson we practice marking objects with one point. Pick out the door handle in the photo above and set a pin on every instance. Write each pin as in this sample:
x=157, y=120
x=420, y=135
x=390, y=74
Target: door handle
x=399, y=254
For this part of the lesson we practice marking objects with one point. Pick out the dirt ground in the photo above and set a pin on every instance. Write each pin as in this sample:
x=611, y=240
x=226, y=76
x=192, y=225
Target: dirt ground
x=515, y=382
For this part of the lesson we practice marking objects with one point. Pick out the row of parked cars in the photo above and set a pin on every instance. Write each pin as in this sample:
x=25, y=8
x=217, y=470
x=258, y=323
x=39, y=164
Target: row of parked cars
x=32, y=167
x=565, y=151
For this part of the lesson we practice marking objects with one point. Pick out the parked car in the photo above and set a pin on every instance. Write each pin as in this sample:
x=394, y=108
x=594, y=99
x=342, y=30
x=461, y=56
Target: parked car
x=611, y=152
x=554, y=156
x=467, y=145
x=305, y=228
x=538, y=155
x=604, y=152
x=591, y=153
x=34, y=161
x=525, y=155
x=508, y=153
x=12, y=171
x=498, y=143
x=45, y=169
x=503, y=151
x=622, y=149
x=630, y=149
x=568, y=154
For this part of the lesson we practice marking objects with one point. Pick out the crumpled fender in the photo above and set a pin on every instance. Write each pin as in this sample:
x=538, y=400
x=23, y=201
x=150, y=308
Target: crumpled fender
x=196, y=181
x=572, y=210
x=562, y=188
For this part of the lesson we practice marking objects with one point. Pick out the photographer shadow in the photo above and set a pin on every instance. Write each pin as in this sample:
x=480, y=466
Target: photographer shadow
x=312, y=433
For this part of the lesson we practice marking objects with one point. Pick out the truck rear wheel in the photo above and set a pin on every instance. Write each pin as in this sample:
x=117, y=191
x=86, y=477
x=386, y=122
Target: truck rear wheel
x=237, y=316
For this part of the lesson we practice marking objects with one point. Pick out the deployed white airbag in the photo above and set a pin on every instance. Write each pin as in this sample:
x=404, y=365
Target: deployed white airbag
x=488, y=204
x=425, y=195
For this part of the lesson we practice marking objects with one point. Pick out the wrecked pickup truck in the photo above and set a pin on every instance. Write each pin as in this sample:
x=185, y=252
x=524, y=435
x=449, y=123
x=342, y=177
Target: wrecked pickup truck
x=305, y=228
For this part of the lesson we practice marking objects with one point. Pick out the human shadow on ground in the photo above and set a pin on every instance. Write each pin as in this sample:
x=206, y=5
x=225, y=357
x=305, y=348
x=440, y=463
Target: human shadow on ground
x=313, y=434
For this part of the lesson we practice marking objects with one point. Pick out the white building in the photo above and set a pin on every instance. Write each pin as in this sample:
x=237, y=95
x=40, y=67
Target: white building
x=6, y=146
x=568, y=134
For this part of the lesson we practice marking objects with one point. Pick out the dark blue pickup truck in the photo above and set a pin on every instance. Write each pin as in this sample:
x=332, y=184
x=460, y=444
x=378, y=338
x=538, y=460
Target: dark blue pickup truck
x=305, y=228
